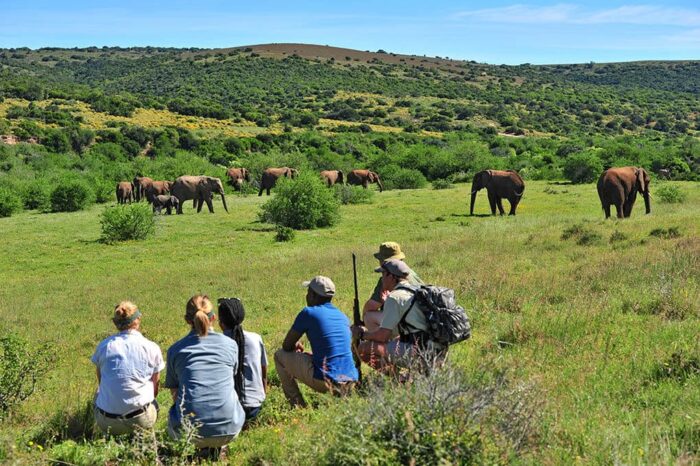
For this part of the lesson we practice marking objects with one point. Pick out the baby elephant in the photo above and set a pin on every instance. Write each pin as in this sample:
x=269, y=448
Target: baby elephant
x=164, y=200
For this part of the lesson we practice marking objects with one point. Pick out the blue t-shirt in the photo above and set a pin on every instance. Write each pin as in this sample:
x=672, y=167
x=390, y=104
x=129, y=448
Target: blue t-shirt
x=328, y=331
x=202, y=368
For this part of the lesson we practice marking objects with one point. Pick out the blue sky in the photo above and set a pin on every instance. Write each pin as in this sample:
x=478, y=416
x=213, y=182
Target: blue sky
x=493, y=32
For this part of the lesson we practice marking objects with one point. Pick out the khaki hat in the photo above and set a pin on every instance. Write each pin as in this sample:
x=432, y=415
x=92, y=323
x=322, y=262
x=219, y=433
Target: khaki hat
x=389, y=250
x=322, y=286
x=395, y=267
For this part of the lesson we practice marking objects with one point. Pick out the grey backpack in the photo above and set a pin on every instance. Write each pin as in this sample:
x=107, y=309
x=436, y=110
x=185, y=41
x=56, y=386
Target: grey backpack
x=448, y=322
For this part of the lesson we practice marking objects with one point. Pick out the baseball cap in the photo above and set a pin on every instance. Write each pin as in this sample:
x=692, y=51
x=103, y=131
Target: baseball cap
x=395, y=267
x=322, y=286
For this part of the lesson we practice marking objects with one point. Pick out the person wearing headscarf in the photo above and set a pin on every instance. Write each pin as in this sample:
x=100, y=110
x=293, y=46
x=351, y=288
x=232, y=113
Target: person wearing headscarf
x=251, y=376
x=128, y=371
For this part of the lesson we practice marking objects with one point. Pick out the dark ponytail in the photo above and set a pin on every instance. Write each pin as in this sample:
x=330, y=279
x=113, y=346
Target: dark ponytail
x=231, y=314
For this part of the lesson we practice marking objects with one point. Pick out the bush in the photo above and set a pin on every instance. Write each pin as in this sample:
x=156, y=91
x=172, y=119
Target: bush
x=348, y=194
x=670, y=194
x=284, y=234
x=584, y=167
x=21, y=367
x=71, y=196
x=403, y=178
x=444, y=418
x=9, y=202
x=37, y=195
x=303, y=204
x=127, y=222
x=442, y=184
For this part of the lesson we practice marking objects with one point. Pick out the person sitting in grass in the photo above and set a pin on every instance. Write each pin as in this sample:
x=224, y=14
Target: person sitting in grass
x=372, y=310
x=199, y=375
x=330, y=366
x=128, y=371
x=380, y=349
x=251, y=376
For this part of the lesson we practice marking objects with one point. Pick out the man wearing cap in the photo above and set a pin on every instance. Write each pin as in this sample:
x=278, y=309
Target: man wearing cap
x=330, y=365
x=372, y=313
x=379, y=348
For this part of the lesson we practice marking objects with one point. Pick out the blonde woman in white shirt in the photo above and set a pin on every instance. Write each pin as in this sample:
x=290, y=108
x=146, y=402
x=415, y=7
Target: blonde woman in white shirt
x=128, y=372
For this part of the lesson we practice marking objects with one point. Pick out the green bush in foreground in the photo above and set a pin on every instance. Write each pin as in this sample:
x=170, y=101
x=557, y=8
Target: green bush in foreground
x=442, y=184
x=670, y=194
x=403, y=178
x=284, y=234
x=37, y=195
x=9, y=203
x=127, y=222
x=21, y=367
x=303, y=204
x=348, y=194
x=71, y=196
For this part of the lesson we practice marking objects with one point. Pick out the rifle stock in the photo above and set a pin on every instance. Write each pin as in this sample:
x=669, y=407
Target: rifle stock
x=357, y=320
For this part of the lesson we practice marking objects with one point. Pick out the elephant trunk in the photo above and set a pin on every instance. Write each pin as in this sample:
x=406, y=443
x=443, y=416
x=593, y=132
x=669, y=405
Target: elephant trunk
x=647, y=201
x=223, y=200
x=471, y=205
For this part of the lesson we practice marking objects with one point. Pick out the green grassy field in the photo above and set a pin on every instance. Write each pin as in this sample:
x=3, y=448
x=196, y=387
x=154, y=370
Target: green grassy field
x=592, y=323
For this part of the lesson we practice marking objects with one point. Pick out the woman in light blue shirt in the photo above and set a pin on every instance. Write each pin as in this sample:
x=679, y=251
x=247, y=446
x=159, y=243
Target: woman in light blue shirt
x=199, y=376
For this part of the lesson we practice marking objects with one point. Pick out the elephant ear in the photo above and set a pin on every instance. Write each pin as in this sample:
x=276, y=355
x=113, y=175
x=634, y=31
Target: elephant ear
x=641, y=182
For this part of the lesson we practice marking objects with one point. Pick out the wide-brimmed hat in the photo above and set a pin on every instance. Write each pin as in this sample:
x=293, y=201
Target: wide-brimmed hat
x=395, y=267
x=322, y=286
x=389, y=250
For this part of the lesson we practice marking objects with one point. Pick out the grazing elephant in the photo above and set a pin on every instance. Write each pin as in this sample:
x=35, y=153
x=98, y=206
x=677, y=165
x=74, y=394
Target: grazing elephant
x=141, y=184
x=332, y=177
x=619, y=187
x=237, y=176
x=270, y=175
x=199, y=188
x=158, y=188
x=165, y=201
x=664, y=173
x=364, y=178
x=499, y=184
x=125, y=192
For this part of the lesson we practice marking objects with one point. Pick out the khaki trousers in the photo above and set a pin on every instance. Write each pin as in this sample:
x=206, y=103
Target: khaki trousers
x=117, y=426
x=204, y=442
x=292, y=366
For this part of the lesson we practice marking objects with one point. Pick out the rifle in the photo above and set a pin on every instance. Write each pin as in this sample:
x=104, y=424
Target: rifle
x=356, y=320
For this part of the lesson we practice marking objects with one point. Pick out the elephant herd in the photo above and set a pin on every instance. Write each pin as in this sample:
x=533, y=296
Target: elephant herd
x=172, y=194
x=617, y=187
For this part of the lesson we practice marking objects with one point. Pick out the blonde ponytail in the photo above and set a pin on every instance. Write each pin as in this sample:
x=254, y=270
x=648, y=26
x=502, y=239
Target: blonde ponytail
x=198, y=312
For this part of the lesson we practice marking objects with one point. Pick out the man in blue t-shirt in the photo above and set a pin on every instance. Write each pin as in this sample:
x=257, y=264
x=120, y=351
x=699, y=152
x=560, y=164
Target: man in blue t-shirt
x=330, y=365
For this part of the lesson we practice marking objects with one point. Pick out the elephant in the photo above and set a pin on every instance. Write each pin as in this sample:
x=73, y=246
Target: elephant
x=270, y=175
x=619, y=187
x=157, y=188
x=332, y=177
x=364, y=178
x=125, y=192
x=167, y=201
x=499, y=184
x=141, y=184
x=664, y=173
x=198, y=188
x=237, y=176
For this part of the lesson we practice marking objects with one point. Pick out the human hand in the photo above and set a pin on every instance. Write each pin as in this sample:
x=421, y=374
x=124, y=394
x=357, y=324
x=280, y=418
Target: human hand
x=358, y=331
x=385, y=294
x=299, y=347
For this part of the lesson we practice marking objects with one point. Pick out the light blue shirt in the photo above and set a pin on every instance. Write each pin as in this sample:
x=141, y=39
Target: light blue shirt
x=127, y=362
x=202, y=368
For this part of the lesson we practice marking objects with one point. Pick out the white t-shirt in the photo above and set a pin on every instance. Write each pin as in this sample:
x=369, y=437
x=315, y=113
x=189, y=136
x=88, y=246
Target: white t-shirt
x=127, y=361
x=254, y=360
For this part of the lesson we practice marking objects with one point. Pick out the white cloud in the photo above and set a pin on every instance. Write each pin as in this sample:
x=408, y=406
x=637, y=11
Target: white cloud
x=690, y=37
x=565, y=13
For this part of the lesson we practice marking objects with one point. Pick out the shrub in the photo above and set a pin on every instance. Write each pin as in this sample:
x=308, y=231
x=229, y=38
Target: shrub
x=403, y=178
x=37, y=195
x=348, y=194
x=284, y=234
x=104, y=190
x=584, y=167
x=670, y=194
x=666, y=233
x=582, y=234
x=71, y=196
x=127, y=222
x=21, y=367
x=442, y=184
x=9, y=202
x=303, y=204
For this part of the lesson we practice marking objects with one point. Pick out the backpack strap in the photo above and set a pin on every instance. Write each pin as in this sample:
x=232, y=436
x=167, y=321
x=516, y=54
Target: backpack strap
x=414, y=291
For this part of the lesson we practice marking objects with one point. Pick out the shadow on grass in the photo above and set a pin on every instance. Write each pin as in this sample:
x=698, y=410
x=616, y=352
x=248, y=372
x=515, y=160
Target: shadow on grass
x=76, y=424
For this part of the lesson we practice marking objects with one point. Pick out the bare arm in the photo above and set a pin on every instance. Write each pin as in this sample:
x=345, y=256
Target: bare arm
x=99, y=377
x=155, y=378
x=381, y=335
x=291, y=340
x=264, y=377
x=173, y=393
x=371, y=305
